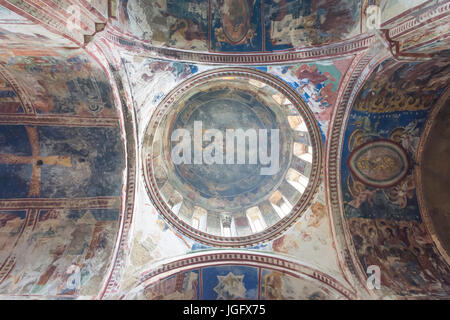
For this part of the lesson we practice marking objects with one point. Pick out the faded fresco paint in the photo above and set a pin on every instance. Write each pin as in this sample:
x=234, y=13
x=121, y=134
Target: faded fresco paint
x=241, y=25
x=65, y=253
x=57, y=252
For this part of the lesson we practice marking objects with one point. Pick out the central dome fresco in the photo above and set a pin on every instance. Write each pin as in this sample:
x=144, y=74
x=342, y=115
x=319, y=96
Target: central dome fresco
x=232, y=157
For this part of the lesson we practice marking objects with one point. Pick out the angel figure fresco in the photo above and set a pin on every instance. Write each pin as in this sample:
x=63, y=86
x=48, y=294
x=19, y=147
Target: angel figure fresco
x=305, y=230
x=408, y=137
x=399, y=194
x=183, y=286
x=72, y=279
x=368, y=129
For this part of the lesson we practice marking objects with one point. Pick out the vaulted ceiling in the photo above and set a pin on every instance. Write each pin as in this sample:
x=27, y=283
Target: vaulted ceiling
x=80, y=82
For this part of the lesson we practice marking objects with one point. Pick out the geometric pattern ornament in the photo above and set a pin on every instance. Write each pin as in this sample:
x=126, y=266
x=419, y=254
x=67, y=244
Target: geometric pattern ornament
x=230, y=287
x=379, y=163
x=222, y=204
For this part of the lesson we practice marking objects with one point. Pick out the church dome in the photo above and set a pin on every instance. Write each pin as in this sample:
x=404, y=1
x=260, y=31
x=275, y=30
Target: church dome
x=232, y=157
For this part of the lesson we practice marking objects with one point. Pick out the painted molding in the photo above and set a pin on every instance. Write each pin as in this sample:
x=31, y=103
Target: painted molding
x=128, y=124
x=57, y=120
x=168, y=268
x=362, y=68
x=410, y=25
x=144, y=48
x=73, y=203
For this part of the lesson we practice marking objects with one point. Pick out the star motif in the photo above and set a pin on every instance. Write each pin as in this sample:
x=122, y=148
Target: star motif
x=230, y=287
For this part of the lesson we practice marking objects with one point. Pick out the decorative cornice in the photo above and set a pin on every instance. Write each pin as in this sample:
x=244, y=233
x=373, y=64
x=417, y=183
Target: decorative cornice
x=73, y=203
x=237, y=257
x=57, y=120
x=410, y=25
x=144, y=48
x=359, y=43
x=121, y=93
x=55, y=17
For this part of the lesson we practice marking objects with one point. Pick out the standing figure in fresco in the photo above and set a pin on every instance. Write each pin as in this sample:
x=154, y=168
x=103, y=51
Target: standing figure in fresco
x=183, y=286
x=387, y=277
x=362, y=197
x=440, y=268
x=399, y=270
x=73, y=280
x=419, y=235
x=403, y=235
x=304, y=230
x=428, y=270
x=408, y=137
x=414, y=271
x=123, y=13
x=389, y=237
x=400, y=194
x=272, y=286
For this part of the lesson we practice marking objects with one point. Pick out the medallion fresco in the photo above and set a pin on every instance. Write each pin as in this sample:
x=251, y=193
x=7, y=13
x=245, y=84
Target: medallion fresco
x=236, y=20
x=379, y=188
x=379, y=163
x=236, y=26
